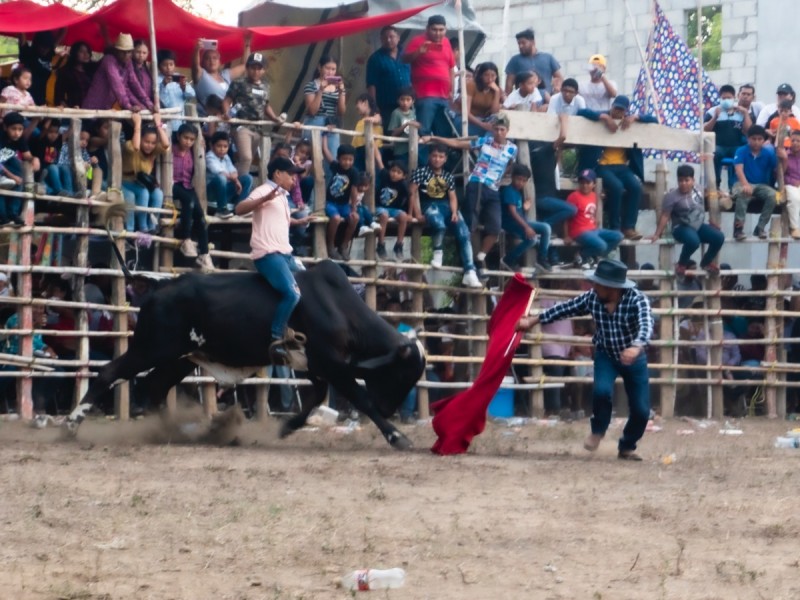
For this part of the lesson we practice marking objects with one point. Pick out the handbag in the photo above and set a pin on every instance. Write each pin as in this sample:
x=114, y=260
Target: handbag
x=147, y=180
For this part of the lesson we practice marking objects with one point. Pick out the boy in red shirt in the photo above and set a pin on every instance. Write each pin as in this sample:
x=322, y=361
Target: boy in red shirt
x=582, y=228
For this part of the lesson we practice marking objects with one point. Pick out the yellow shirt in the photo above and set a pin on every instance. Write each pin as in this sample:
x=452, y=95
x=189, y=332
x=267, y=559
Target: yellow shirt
x=135, y=162
x=614, y=156
x=360, y=140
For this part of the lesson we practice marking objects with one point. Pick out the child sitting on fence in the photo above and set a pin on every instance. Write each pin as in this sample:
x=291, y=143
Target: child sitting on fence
x=47, y=145
x=594, y=242
x=342, y=200
x=391, y=201
x=367, y=110
x=139, y=185
x=17, y=92
x=59, y=176
x=192, y=222
x=14, y=150
x=366, y=220
x=403, y=118
x=224, y=184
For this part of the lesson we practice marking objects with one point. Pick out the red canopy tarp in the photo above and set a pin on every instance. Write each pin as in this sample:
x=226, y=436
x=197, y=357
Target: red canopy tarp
x=176, y=29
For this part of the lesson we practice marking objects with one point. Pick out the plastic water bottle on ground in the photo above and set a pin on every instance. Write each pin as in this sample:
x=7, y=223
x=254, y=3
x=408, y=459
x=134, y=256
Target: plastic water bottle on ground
x=787, y=442
x=374, y=579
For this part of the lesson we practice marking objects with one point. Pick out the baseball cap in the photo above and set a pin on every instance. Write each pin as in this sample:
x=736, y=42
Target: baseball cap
x=281, y=163
x=785, y=88
x=587, y=175
x=502, y=120
x=621, y=102
x=599, y=59
x=255, y=59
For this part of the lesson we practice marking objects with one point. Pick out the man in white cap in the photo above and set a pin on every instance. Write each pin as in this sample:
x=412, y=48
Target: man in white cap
x=624, y=325
x=598, y=90
x=115, y=85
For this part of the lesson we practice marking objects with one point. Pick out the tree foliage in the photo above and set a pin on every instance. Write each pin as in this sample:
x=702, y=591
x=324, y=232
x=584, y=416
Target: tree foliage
x=710, y=35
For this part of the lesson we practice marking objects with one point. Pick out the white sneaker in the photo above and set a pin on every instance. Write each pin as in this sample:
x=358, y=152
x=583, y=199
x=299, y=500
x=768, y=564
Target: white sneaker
x=189, y=248
x=481, y=256
x=471, y=280
x=436, y=261
x=204, y=262
x=364, y=230
x=6, y=183
x=376, y=226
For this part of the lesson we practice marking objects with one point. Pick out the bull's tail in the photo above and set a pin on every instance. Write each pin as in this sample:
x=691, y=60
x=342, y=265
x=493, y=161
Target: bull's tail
x=105, y=216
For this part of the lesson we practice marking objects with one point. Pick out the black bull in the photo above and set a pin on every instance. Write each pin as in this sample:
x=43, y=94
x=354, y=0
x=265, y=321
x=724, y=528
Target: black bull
x=226, y=318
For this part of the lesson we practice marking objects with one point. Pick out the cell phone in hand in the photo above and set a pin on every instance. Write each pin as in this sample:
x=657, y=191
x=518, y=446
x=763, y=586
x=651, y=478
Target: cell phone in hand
x=334, y=79
x=208, y=44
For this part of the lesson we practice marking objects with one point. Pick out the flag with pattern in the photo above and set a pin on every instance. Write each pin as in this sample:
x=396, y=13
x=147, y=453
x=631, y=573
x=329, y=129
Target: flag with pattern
x=674, y=70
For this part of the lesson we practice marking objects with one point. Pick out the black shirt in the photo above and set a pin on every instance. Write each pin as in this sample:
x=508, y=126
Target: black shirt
x=392, y=194
x=340, y=183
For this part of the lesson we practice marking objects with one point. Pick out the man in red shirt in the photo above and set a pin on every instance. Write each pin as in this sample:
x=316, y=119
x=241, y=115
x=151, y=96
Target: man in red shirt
x=432, y=72
x=582, y=228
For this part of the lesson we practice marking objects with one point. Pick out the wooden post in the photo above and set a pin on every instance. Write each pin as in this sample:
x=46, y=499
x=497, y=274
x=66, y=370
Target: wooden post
x=265, y=149
x=81, y=260
x=320, y=250
x=122, y=391
x=370, y=271
x=25, y=312
x=666, y=354
x=165, y=251
x=771, y=350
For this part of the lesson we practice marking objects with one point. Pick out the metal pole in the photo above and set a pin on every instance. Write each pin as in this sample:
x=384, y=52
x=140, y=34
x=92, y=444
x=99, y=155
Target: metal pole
x=154, y=55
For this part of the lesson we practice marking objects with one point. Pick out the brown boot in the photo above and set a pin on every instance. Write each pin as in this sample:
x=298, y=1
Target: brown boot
x=629, y=455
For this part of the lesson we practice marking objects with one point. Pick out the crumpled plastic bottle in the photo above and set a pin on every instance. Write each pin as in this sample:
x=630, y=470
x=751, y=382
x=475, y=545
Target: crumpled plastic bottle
x=364, y=580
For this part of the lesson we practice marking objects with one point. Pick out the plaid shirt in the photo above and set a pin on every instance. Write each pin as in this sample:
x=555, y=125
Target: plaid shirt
x=631, y=323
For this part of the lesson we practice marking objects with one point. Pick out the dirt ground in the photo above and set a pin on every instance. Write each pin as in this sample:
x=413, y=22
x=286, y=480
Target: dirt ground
x=526, y=514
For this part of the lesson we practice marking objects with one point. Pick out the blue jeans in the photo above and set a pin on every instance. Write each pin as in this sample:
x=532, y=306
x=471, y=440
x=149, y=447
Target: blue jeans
x=220, y=190
x=617, y=180
x=277, y=269
x=692, y=238
x=137, y=194
x=11, y=207
x=365, y=217
x=331, y=140
x=637, y=387
x=59, y=179
x=598, y=242
x=430, y=115
x=553, y=210
x=543, y=240
x=438, y=217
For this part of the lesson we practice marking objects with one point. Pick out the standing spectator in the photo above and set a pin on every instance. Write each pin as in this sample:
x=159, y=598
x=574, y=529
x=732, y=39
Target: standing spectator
x=387, y=74
x=38, y=57
x=747, y=99
x=433, y=199
x=114, y=85
x=140, y=67
x=528, y=233
x=755, y=166
x=598, y=90
x=17, y=92
x=790, y=159
x=326, y=102
x=621, y=169
x=75, y=77
x=139, y=185
x=530, y=59
x=224, y=185
x=496, y=154
x=686, y=208
x=566, y=103
x=728, y=121
x=403, y=117
x=248, y=98
x=208, y=76
x=484, y=98
x=593, y=241
x=173, y=88
x=367, y=110
x=432, y=74
x=624, y=327
x=192, y=222
x=770, y=111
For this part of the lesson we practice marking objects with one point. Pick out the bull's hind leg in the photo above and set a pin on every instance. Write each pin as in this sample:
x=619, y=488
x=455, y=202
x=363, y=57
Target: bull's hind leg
x=124, y=367
x=296, y=422
x=164, y=377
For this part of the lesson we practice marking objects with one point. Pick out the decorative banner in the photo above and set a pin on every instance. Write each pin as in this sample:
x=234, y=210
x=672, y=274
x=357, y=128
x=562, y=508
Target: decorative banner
x=674, y=71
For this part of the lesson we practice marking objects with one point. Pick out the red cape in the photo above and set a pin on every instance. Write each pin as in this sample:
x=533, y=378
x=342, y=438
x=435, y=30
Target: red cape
x=461, y=417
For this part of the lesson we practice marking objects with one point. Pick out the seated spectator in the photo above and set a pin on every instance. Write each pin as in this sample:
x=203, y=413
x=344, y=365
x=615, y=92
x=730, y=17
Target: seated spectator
x=47, y=145
x=528, y=233
x=209, y=77
x=755, y=166
x=367, y=109
x=786, y=120
x=325, y=103
x=141, y=69
x=403, y=117
x=496, y=154
x=248, y=98
x=366, y=220
x=74, y=78
x=433, y=201
x=621, y=169
x=484, y=99
x=139, y=185
x=17, y=92
x=598, y=90
x=304, y=182
x=391, y=201
x=115, y=85
x=756, y=302
x=341, y=202
x=98, y=144
x=593, y=241
x=224, y=184
x=770, y=111
x=173, y=88
x=215, y=107
x=747, y=99
x=685, y=206
x=526, y=95
x=192, y=225
x=59, y=176
x=14, y=151
x=728, y=121
x=790, y=159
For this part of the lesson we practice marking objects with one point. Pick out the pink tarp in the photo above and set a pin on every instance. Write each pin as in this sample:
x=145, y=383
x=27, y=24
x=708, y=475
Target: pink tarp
x=176, y=28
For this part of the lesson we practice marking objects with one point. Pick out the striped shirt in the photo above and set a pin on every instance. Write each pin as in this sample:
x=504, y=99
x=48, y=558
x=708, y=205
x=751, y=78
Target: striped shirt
x=630, y=324
x=330, y=100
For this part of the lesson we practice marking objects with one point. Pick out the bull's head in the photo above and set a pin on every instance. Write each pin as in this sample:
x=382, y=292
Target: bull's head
x=391, y=377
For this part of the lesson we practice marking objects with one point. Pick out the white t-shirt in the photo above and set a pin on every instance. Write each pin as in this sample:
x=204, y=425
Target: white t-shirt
x=557, y=105
x=596, y=95
x=270, y=223
x=769, y=110
x=517, y=101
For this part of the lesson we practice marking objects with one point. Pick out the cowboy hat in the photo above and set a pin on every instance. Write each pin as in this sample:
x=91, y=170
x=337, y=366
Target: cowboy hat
x=611, y=273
